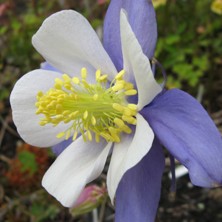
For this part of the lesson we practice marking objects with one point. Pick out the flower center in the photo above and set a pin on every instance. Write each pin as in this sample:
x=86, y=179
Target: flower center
x=90, y=109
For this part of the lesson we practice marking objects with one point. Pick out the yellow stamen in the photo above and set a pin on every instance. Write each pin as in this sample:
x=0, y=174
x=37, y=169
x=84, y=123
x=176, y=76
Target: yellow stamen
x=120, y=75
x=131, y=92
x=60, y=135
x=75, y=135
x=117, y=87
x=89, y=135
x=118, y=107
x=84, y=73
x=119, y=123
x=76, y=80
x=85, y=115
x=98, y=74
x=92, y=110
x=93, y=120
x=132, y=106
x=103, y=78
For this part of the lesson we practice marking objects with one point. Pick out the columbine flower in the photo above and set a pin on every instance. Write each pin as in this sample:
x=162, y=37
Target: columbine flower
x=97, y=98
x=90, y=99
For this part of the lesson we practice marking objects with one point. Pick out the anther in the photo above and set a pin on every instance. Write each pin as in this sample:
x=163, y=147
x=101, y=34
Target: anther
x=130, y=92
x=40, y=94
x=132, y=106
x=60, y=135
x=119, y=122
x=66, y=78
x=117, y=87
x=126, y=129
x=89, y=135
x=128, y=86
x=75, y=135
x=120, y=75
x=129, y=119
x=75, y=80
x=58, y=81
x=84, y=73
x=98, y=74
x=90, y=109
x=85, y=115
x=103, y=78
x=118, y=107
x=127, y=112
x=93, y=120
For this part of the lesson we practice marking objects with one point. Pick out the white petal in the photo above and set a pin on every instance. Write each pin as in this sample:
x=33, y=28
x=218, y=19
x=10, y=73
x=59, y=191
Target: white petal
x=137, y=64
x=80, y=163
x=128, y=153
x=23, y=99
x=67, y=41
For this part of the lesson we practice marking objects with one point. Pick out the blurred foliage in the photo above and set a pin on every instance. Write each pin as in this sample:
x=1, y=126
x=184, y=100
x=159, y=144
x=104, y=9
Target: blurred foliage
x=27, y=167
x=189, y=44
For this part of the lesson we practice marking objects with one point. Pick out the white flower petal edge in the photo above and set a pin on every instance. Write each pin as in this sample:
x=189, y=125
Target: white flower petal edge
x=67, y=41
x=137, y=64
x=80, y=163
x=23, y=99
x=128, y=153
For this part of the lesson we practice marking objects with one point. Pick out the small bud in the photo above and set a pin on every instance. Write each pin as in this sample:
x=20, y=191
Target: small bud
x=91, y=197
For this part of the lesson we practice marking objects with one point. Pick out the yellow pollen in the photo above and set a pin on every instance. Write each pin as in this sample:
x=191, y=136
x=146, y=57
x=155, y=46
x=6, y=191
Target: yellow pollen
x=75, y=80
x=98, y=74
x=120, y=123
x=132, y=106
x=84, y=73
x=93, y=120
x=103, y=78
x=131, y=92
x=120, y=75
x=60, y=135
x=128, y=86
x=89, y=135
x=118, y=107
x=117, y=87
x=92, y=110
x=85, y=115
x=126, y=129
x=75, y=135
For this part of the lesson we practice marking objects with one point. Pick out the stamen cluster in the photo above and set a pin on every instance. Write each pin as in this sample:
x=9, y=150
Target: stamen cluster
x=90, y=109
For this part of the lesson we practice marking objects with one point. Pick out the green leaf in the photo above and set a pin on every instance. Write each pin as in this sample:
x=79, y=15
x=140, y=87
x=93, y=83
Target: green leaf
x=201, y=62
x=28, y=161
x=41, y=212
x=172, y=39
x=3, y=30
